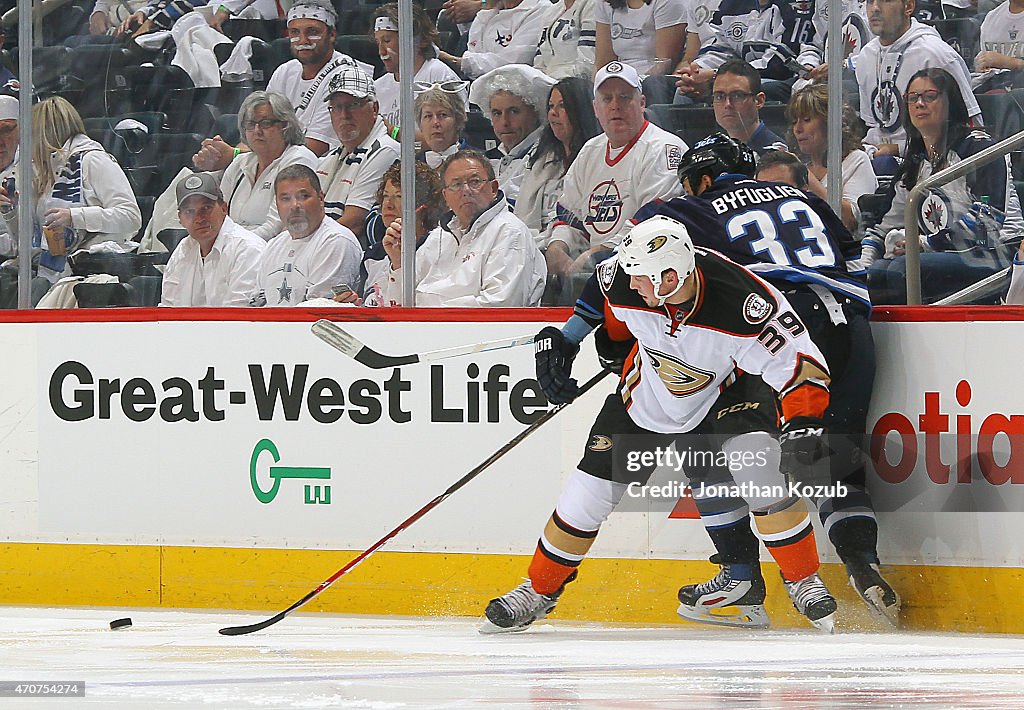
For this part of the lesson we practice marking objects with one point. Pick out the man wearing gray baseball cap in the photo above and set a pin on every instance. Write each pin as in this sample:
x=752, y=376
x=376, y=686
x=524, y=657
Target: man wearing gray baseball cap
x=216, y=264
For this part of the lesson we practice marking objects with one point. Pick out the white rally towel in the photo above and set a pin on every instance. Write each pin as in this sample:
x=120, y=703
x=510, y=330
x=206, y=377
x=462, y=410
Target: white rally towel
x=238, y=66
x=195, y=40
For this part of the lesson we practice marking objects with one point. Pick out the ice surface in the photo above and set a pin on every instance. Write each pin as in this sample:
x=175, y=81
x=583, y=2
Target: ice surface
x=177, y=659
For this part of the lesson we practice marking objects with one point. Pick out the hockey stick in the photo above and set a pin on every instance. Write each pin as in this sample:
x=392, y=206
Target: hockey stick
x=547, y=416
x=342, y=340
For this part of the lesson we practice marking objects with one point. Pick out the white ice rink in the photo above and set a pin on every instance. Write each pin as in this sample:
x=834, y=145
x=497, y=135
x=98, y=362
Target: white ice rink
x=177, y=659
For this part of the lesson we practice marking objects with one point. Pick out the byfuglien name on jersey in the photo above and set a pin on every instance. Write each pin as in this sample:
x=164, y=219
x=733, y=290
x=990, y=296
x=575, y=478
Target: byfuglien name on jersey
x=277, y=391
x=745, y=196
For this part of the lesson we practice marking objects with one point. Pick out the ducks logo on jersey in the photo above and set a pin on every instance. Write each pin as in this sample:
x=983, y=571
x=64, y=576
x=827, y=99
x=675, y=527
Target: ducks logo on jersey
x=680, y=379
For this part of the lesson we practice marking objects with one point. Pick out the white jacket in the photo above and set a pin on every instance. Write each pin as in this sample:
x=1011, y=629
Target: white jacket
x=226, y=277
x=500, y=37
x=568, y=40
x=493, y=263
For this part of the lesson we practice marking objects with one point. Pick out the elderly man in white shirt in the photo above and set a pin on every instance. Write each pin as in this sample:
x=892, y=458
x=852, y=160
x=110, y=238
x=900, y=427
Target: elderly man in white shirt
x=483, y=256
x=314, y=254
x=216, y=264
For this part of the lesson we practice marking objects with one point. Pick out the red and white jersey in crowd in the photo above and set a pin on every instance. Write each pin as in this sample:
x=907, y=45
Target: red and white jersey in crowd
x=604, y=187
x=687, y=355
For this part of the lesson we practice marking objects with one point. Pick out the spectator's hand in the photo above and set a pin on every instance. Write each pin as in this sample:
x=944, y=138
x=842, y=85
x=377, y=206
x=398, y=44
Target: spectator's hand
x=57, y=217
x=887, y=149
x=818, y=73
x=349, y=297
x=462, y=11
x=451, y=60
x=392, y=243
x=99, y=23
x=693, y=80
x=994, y=60
x=130, y=24
x=218, y=19
x=214, y=154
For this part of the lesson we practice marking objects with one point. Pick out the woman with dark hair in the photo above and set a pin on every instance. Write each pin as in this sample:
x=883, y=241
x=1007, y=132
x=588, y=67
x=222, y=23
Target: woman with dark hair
x=808, y=115
x=959, y=221
x=571, y=123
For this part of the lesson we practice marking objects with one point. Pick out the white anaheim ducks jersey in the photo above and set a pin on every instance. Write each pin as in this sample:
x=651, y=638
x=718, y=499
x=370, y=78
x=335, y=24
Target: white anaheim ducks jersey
x=603, y=187
x=685, y=358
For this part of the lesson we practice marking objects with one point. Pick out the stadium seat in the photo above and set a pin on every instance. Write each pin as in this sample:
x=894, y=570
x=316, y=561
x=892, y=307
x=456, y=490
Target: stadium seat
x=361, y=48
x=227, y=128
x=1003, y=113
x=50, y=69
x=9, y=289
x=691, y=123
x=152, y=120
x=171, y=238
x=145, y=291
x=266, y=30
x=479, y=132
x=110, y=295
x=962, y=34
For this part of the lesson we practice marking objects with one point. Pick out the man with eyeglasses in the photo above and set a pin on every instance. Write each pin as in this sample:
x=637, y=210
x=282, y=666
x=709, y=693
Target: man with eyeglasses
x=351, y=172
x=901, y=48
x=216, y=264
x=737, y=98
x=482, y=255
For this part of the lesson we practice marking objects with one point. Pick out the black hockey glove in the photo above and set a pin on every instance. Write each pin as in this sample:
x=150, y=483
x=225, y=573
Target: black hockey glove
x=612, y=354
x=804, y=442
x=554, y=355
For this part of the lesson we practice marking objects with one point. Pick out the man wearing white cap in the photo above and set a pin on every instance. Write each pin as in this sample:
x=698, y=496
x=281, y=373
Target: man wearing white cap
x=617, y=172
x=351, y=172
x=515, y=99
x=8, y=164
x=427, y=70
x=216, y=264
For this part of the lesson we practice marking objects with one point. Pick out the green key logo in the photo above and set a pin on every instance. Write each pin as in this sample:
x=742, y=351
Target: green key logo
x=315, y=493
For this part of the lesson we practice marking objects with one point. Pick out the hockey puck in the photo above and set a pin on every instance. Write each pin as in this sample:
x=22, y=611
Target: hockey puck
x=120, y=624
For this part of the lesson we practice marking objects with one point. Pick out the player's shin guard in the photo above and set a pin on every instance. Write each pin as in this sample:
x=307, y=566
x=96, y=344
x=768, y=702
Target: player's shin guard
x=786, y=531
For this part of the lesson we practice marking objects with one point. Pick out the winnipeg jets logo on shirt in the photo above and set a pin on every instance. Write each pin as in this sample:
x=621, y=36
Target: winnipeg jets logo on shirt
x=604, y=208
x=502, y=39
x=620, y=32
x=886, y=100
x=680, y=379
x=933, y=214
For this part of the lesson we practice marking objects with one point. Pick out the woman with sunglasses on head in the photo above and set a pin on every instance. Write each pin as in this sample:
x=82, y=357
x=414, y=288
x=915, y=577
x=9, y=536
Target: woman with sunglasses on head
x=269, y=127
x=571, y=123
x=427, y=69
x=959, y=221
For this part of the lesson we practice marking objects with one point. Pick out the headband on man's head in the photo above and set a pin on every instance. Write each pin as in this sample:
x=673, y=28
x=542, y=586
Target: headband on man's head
x=385, y=23
x=313, y=11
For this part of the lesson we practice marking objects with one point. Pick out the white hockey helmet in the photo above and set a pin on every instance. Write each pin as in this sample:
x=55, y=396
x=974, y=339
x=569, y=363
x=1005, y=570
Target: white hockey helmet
x=654, y=246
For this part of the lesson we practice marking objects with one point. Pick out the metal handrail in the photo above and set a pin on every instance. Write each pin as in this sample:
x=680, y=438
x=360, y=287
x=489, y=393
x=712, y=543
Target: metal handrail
x=913, y=243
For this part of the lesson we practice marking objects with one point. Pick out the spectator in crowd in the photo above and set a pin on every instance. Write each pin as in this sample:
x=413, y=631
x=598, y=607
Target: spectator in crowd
x=351, y=172
x=485, y=255
x=568, y=40
x=650, y=35
x=571, y=123
x=303, y=81
x=382, y=287
x=9, y=135
x=82, y=192
x=782, y=166
x=255, y=9
x=1015, y=295
x=155, y=15
x=216, y=264
x=856, y=34
x=699, y=31
x=631, y=163
x=508, y=34
x=1001, y=47
x=274, y=135
x=314, y=254
x=956, y=230
x=737, y=99
x=427, y=69
x=808, y=114
x=761, y=33
x=108, y=14
x=441, y=117
x=902, y=47
x=514, y=97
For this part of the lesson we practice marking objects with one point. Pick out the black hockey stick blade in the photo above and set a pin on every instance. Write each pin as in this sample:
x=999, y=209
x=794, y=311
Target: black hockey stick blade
x=358, y=559
x=340, y=339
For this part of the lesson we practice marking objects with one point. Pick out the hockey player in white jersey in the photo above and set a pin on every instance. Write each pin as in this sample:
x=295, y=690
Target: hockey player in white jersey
x=903, y=46
x=714, y=344
x=630, y=164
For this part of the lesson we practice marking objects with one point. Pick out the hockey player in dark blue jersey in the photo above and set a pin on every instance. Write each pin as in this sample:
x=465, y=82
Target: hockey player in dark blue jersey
x=796, y=242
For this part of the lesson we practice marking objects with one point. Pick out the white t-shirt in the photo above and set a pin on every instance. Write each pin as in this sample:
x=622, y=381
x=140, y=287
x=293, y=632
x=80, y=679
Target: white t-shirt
x=432, y=71
x=1003, y=31
x=632, y=30
x=308, y=96
x=226, y=277
x=501, y=37
x=858, y=178
x=697, y=15
x=353, y=178
x=296, y=270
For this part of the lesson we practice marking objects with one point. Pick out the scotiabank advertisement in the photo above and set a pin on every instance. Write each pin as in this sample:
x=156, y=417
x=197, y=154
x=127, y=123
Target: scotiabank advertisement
x=258, y=434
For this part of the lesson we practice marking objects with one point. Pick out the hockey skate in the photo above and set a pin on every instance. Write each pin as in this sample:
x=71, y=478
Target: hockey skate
x=880, y=597
x=516, y=610
x=811, y=598
x=725, y=601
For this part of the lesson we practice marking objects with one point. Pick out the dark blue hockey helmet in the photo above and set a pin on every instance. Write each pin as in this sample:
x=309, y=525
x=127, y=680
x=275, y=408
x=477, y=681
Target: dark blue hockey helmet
x=715, y=155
